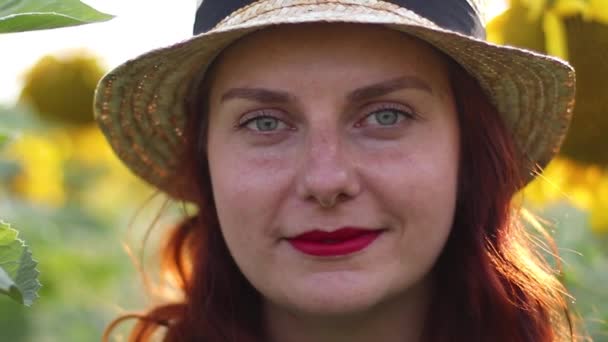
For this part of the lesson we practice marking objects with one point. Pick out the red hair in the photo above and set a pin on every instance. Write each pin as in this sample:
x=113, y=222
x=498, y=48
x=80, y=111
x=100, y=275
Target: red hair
x=491, y=283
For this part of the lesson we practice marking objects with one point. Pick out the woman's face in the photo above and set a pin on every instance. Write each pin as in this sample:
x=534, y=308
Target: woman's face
x=325, y=127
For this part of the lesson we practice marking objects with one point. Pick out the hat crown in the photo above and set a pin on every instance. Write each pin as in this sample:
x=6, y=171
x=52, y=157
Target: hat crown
x=462, y=16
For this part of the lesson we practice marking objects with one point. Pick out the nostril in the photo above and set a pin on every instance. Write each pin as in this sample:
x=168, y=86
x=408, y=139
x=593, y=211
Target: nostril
x=327, y=181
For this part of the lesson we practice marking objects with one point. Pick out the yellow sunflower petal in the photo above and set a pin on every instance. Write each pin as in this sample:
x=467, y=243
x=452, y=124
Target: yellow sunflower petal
x=599, y=220
x=41, y=176
x=598, y=10
x=582, y=197
x=536, y=8
x=555, y=33
x=599, y=211
x=569, y=8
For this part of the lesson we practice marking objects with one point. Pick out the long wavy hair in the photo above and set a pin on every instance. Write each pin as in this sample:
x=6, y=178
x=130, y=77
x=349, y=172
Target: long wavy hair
x=492, y=283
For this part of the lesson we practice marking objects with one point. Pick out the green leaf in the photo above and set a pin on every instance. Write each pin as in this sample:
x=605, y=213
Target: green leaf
x=8, y=287
x=28, y=15
x=18, y=273
x=4, y=139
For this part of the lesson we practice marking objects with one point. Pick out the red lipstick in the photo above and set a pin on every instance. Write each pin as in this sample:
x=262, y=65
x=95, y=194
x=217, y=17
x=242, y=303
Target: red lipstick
x=340, y=242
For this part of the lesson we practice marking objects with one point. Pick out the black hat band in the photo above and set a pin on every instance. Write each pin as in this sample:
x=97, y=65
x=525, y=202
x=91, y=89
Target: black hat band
x=454, y=15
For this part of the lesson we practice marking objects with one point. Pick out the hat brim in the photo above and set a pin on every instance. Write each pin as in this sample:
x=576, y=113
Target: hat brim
x=141, y=110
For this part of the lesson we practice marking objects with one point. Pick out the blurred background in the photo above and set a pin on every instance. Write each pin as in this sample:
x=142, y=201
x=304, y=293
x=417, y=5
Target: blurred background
x=85, y=216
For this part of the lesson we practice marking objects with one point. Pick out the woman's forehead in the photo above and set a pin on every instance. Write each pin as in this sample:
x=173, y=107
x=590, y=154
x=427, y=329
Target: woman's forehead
x=344, y=50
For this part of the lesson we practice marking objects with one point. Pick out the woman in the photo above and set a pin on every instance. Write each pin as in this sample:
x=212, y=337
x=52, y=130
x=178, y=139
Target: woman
x=353, y=163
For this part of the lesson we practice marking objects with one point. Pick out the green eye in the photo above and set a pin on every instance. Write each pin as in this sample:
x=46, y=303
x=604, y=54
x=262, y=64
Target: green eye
x=386, y=117
x=266, y=123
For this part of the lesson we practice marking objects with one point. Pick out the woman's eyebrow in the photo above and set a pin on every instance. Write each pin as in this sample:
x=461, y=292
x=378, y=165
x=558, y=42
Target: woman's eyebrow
x=264, y=95
x=257, y=94
x=387, y=87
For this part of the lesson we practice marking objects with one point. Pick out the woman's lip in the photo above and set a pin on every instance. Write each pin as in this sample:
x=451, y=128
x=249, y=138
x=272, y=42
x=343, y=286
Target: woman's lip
x=339, y=234
x=335, y=247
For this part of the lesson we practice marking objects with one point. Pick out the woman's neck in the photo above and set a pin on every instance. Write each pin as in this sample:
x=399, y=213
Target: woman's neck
x=400, y=319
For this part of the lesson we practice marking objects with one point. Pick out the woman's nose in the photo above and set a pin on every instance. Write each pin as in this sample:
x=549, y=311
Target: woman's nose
x=328, y=174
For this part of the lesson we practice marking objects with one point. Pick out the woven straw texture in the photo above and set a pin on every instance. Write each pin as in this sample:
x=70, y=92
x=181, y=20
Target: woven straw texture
x=141, y=109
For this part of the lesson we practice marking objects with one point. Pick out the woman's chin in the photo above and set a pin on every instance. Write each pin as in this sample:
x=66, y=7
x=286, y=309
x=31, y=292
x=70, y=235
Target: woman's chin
x=332, y=294
x=336, y=307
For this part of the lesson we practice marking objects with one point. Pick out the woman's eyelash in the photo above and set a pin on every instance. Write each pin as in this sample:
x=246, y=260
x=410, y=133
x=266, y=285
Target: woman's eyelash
x=405, y=110
x=247, y=121
x=387, y=115
x=263, y=123
x=248, y=118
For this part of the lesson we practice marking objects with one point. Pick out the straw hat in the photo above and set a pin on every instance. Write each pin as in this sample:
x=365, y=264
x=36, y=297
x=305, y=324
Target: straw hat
x=140, y=104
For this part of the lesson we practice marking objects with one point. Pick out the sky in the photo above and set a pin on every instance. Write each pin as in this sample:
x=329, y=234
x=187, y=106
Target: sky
x=139, y=26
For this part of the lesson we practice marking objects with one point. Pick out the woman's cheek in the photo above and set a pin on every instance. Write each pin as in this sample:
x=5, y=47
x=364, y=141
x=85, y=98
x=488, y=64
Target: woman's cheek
x=249, y=187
